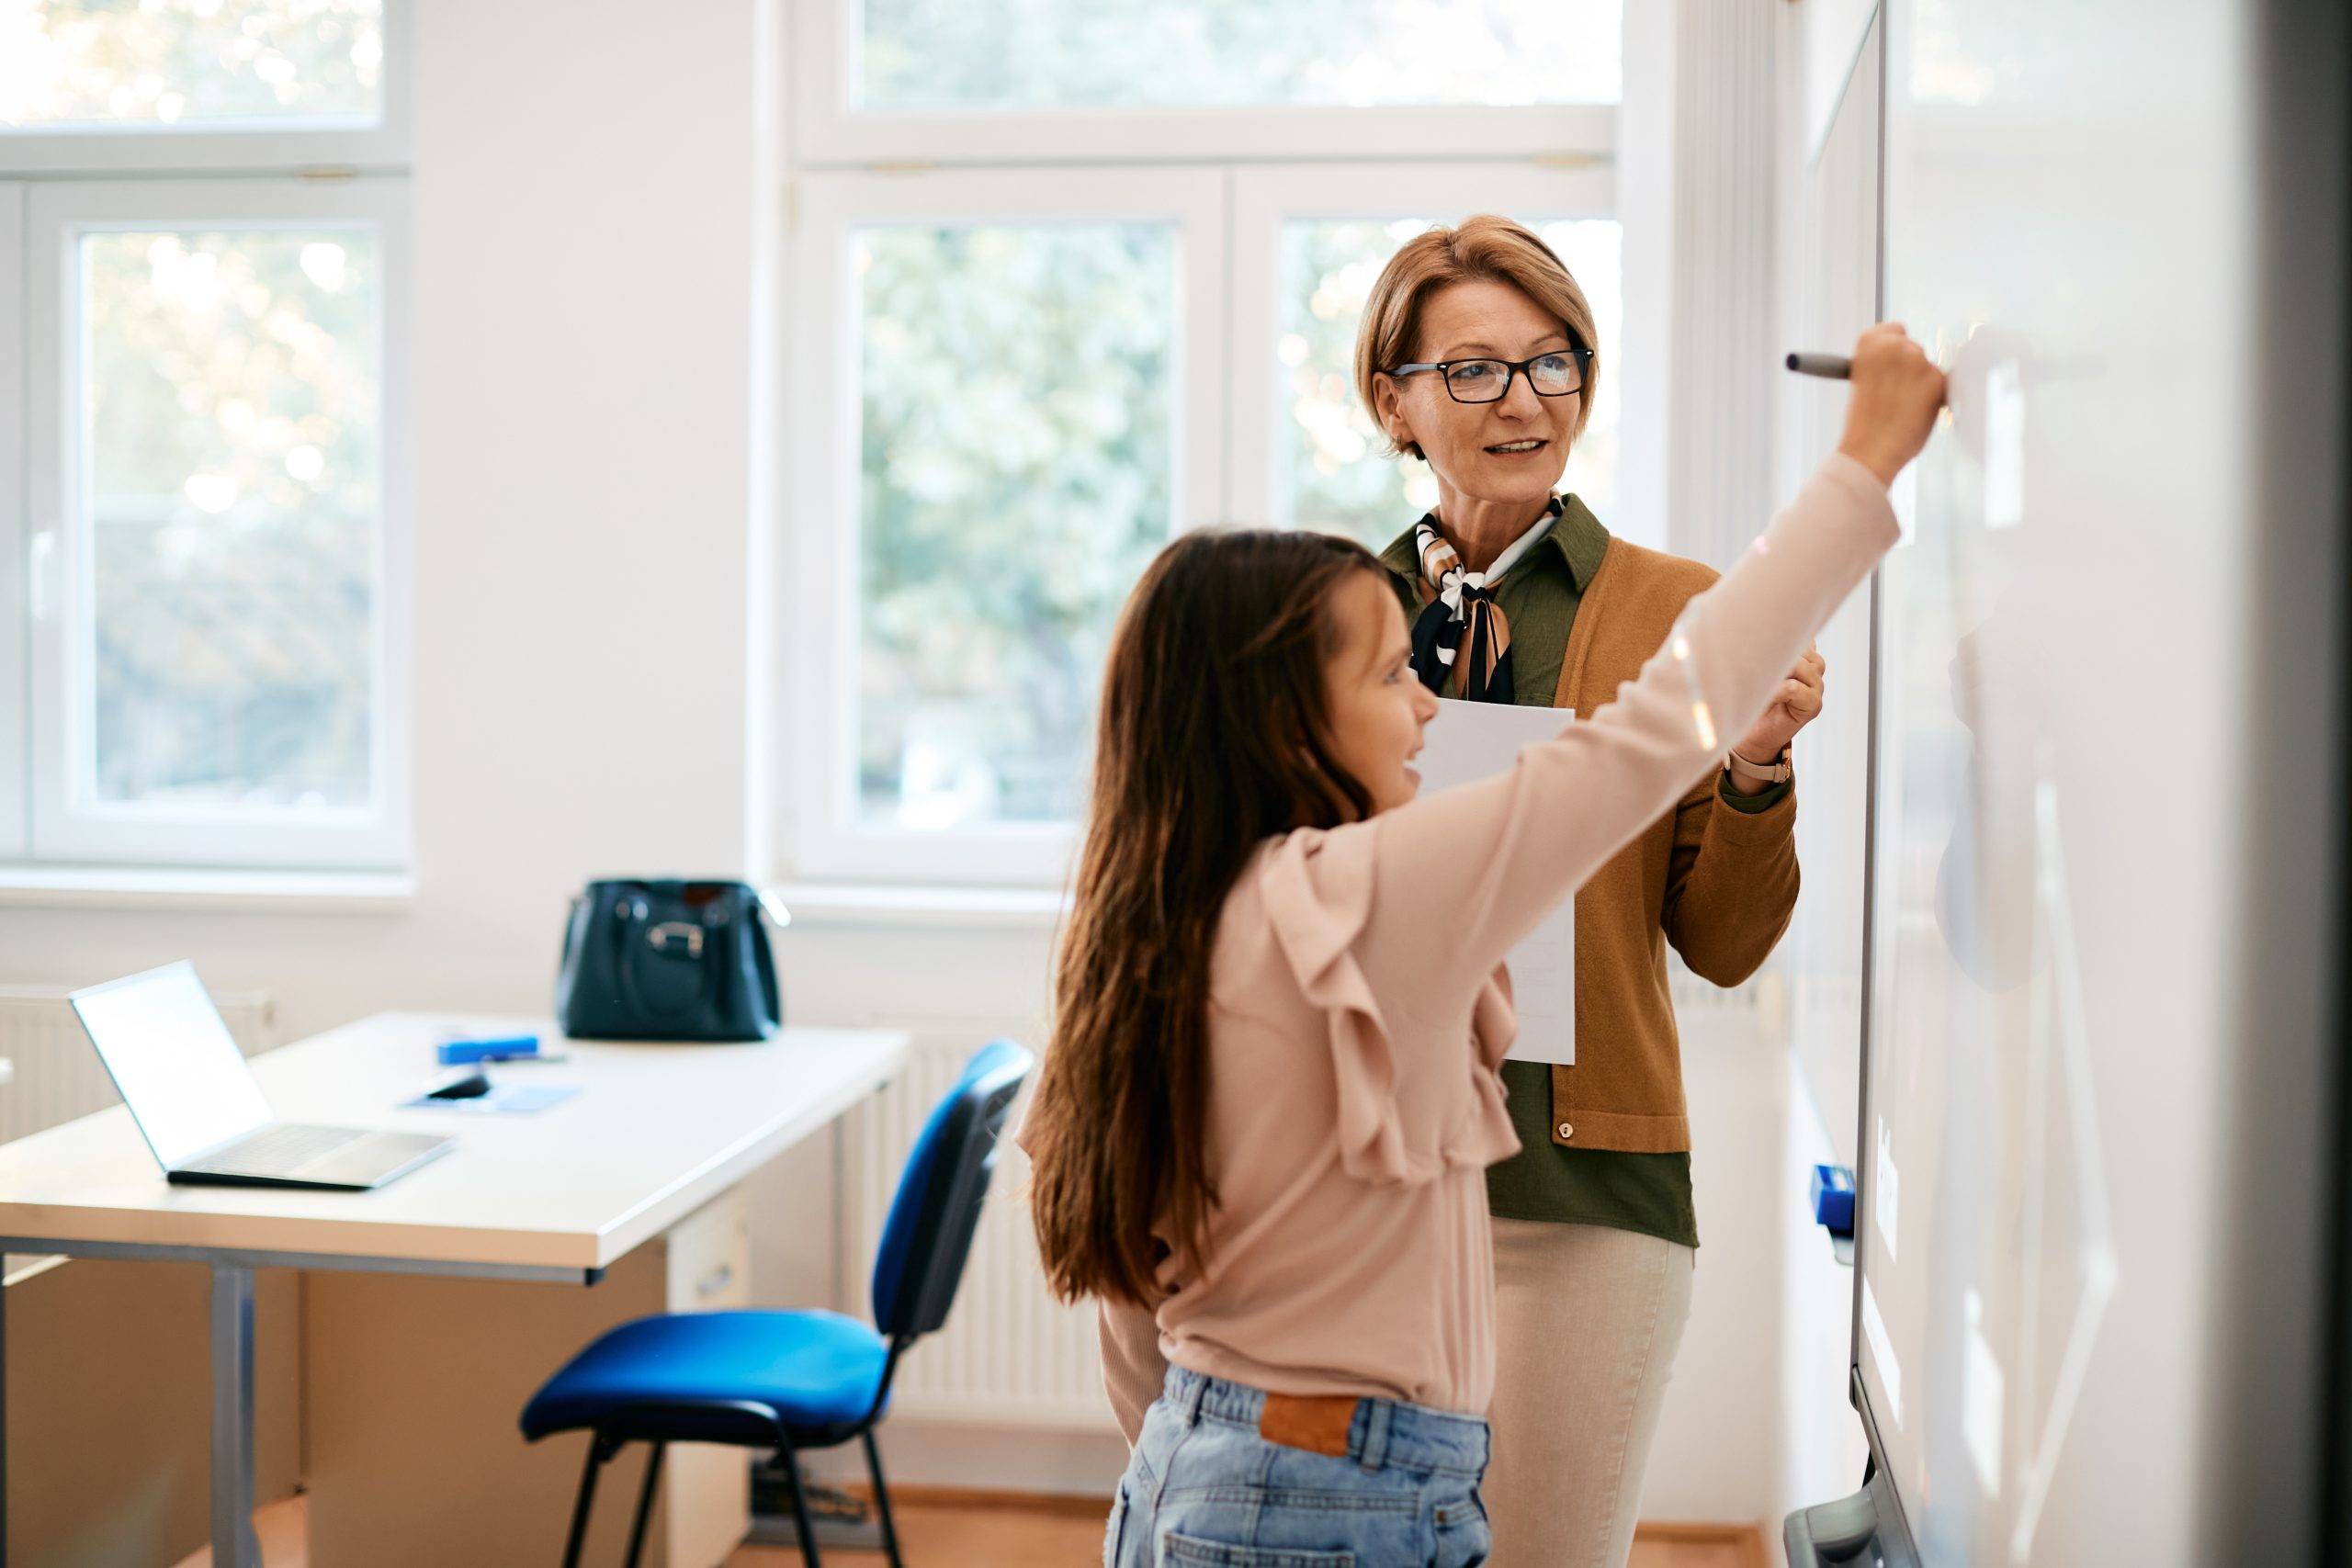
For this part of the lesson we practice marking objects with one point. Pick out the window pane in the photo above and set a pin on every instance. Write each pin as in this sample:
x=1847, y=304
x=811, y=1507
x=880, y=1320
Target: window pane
x=1329, y=473
x=232, y=426
x=1047, y=54
x=1016, y=461
x=190, y=62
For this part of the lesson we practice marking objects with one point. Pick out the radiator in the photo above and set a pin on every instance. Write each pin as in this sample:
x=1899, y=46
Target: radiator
x=1010, y=1354
x=58, y=1076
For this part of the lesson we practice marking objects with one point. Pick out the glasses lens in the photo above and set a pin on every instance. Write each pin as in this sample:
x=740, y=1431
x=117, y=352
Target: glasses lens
x=1478, y=381
x=1556, y=374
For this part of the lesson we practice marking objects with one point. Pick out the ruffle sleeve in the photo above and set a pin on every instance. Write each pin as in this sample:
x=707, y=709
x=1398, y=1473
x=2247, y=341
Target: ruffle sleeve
x=1317, y=891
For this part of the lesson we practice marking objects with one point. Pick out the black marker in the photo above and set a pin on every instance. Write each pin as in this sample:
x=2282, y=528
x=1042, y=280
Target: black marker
x=1832, y=367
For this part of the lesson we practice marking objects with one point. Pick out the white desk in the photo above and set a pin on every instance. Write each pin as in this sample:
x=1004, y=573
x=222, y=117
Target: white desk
x=657, y=1132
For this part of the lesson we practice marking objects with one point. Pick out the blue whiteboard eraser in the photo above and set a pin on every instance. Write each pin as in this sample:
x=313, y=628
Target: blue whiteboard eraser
x=1833, y=1199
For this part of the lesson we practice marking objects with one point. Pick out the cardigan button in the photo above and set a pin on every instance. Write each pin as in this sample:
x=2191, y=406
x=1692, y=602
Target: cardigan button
x=1567, y=1131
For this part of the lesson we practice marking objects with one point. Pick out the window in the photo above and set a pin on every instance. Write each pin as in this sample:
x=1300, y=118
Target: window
x=83, y=63
x=1011, y=480
x=1001, y=386
x=1082, y=80
x=1125, y=54
x=1051, y=304
x=214, y=585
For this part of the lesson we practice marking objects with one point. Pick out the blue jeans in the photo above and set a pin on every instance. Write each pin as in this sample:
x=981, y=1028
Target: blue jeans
x=1205, y=1490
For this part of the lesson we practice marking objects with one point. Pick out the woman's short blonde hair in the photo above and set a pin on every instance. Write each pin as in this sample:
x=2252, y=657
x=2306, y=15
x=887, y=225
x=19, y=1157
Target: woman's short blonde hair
x=1485, y=248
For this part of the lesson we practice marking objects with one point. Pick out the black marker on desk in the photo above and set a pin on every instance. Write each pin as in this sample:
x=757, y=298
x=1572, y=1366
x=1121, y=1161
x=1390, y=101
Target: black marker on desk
x=1831, y=366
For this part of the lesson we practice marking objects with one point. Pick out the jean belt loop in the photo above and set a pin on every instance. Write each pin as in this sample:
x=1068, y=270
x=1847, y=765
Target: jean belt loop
x=1374, y=1451
x=1196, y=1390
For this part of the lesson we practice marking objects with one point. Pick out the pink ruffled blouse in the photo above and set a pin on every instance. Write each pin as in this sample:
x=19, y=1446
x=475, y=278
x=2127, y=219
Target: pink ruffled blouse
x=1360, y=1011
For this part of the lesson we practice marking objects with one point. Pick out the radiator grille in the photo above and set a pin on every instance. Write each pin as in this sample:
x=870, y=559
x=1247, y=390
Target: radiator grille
x=1010, y=1353
x=58, y=1076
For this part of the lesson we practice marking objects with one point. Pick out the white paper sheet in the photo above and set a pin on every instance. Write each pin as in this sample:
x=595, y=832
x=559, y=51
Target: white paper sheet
x=1475, y=740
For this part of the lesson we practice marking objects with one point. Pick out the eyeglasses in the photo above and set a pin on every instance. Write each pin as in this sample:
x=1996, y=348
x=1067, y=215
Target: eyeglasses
x=1553, y=374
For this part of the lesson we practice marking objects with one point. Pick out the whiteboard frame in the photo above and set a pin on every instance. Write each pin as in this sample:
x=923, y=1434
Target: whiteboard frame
x=1874, y=34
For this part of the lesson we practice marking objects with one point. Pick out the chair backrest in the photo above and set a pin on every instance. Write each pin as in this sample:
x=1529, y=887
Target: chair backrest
x=929, y=1233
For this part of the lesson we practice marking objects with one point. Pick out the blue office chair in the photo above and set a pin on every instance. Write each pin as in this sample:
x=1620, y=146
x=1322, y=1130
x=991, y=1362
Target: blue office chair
x=793, y=1381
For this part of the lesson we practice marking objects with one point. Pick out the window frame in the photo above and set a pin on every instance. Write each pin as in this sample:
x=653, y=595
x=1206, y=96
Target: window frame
x=830, y=130
x=254, y=146
x=61, y=827
x=14, y=535
x=817, y=588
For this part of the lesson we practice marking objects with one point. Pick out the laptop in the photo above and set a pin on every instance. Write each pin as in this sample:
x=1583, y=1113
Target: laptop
x=198, y=1107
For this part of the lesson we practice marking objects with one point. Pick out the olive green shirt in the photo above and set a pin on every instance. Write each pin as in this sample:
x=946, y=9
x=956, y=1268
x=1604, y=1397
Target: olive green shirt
x=1549, y=1181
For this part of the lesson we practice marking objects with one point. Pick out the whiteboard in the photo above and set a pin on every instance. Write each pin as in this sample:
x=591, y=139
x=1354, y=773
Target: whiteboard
x=2094, y=662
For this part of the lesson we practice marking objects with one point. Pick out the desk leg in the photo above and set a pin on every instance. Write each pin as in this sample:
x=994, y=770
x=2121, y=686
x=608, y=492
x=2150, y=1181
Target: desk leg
x=234, y=1542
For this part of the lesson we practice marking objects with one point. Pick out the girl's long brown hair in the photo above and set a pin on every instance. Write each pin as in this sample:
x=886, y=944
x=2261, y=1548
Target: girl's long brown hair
x=1211, y=738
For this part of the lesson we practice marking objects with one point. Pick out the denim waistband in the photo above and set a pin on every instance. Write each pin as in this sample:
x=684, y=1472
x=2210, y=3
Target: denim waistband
x=1382, y=1432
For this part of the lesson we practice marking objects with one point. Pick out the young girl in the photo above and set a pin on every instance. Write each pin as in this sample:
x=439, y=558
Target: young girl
x=1272, y=1092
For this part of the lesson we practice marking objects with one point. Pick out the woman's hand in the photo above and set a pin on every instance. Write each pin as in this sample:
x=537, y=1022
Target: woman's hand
x=1897, y=392
x=1797, y=704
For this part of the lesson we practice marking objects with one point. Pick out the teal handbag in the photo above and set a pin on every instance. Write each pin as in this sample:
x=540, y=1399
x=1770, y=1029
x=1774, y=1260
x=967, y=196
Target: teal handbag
x=665, y=959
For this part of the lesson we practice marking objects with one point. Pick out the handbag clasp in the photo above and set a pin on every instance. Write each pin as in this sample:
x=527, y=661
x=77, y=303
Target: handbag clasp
x=668, y=932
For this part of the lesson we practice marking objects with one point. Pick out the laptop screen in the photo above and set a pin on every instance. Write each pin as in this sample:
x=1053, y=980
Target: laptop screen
x=173, y=1061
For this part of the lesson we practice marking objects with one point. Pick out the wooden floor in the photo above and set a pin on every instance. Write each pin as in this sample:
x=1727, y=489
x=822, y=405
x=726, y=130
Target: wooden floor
x=284, y=1530
x=981, y=1533
x=1005, y=1533
x=1019, y=1533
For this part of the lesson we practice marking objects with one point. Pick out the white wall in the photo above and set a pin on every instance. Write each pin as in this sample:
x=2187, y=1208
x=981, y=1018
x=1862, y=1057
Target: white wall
x=1712, y=1461
x=1820, y=1449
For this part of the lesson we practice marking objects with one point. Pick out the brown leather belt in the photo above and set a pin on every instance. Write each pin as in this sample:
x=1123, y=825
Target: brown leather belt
x=1315, y=1421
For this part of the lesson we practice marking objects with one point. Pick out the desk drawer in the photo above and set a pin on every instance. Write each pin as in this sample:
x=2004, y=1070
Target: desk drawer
x=708, y=1489
x=710, y=1257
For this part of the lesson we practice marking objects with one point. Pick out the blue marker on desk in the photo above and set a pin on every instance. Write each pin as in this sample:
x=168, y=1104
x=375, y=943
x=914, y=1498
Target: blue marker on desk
x=470, y=1052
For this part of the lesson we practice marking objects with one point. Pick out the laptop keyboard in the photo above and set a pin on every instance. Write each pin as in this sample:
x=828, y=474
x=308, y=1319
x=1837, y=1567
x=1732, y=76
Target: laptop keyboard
x=290, y=1147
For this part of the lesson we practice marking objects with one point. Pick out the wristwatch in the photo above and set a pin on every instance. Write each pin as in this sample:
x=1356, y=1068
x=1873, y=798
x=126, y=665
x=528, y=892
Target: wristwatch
x=1778, y=771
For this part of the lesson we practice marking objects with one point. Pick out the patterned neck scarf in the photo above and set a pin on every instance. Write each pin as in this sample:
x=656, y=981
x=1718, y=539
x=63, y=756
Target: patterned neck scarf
x=1461, y=637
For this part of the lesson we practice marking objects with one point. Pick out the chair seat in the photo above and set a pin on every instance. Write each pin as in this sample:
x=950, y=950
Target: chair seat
x=732, y=1377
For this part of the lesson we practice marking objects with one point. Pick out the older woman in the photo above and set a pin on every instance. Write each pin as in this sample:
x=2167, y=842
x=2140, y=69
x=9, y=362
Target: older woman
x=1477, y=355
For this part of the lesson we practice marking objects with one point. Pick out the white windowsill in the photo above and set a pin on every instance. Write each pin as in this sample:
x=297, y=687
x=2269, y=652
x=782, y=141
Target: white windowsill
x=152, y=888
x=836, y=904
